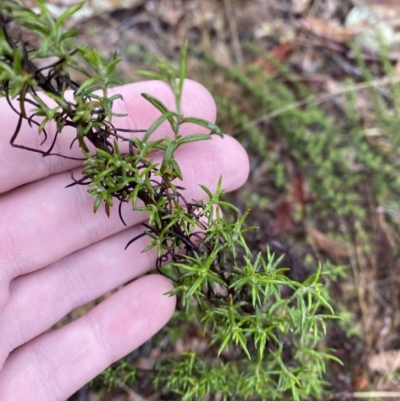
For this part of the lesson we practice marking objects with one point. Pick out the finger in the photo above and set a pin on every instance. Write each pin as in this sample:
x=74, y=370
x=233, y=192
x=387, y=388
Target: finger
x=40, y=299
x=19, y=166
x=56, y=222
x=61, y=361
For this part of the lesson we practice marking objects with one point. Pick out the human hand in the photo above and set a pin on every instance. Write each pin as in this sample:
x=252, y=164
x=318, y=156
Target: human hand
x=56, y=255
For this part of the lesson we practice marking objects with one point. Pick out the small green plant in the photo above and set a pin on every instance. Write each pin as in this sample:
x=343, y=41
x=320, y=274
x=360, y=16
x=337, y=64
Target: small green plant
x=344, y=144
x=336, y=155
x=265, y=331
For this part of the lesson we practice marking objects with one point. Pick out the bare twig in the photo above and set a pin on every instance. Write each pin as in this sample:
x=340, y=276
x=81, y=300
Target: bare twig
x=317, y=100
x=234, y=32
x=375, y=394
x=133, y=395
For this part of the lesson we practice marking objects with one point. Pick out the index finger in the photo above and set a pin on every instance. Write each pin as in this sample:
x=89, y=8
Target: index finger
x=19, y=166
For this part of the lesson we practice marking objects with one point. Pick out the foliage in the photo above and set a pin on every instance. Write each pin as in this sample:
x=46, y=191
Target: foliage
x=265, y=330
x=337, y=156
x=344, y=143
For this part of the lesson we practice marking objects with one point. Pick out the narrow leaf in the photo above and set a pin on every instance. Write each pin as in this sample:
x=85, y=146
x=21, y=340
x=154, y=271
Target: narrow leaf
x=204, y=123
x=182, y=67
x=177, y=169
x=156, y=103
x=168, y=155
x=150, y=74
x=86, y=84
x=156, y=124
x=67, y=13
x=194, y=138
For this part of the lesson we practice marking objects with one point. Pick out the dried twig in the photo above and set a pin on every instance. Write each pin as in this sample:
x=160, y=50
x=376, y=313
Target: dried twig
x=317, y=100
x=234, y=32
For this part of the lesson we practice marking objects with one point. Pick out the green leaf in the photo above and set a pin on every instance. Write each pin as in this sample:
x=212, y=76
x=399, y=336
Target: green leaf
x=156, y=103
x=207, y=191
x=176, y=169
x=204, y=123
x=69, y=34
x=240, y=338
x=182, y=68
x=112, y=64
x=195, y=286
x=168, y=155
x=97, y=203
x=228, y=206
x=193, y=138
x=156, y=124
x=88, y=82
x=68, y=12
x=150, y=74
x=334, y=358
x=224, y=343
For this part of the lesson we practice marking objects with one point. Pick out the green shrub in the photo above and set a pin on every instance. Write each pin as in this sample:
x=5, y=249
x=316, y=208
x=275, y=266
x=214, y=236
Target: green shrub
x=265, y=331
